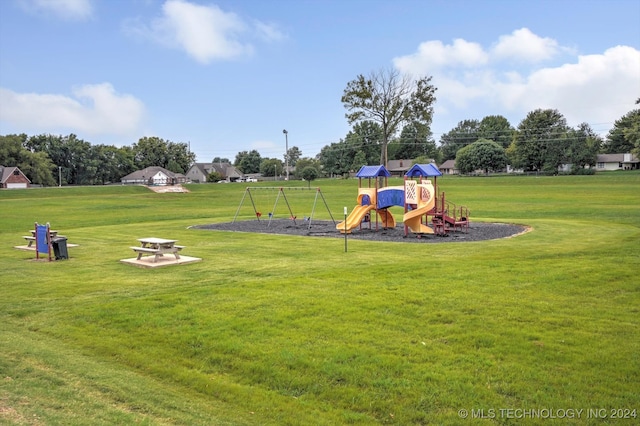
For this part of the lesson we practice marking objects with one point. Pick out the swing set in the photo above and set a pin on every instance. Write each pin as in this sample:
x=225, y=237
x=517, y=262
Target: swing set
x=281, y=192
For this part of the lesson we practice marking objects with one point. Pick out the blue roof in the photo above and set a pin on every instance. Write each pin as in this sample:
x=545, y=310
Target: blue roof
x=423, y=170
x=372, y=171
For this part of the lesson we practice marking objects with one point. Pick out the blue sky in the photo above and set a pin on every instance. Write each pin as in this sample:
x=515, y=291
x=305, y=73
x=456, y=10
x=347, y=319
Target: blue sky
x=229, y=75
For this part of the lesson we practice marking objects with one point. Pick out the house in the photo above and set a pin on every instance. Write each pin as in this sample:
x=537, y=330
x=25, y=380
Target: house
x=154, y=176
x=199, y=172
x=606, y=162
x=449, y=168
x=399, y=167
x=13, y=178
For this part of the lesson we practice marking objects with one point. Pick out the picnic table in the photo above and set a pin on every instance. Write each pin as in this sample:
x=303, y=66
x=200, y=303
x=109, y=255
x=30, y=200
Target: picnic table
x=32, y=238
x=157, y=247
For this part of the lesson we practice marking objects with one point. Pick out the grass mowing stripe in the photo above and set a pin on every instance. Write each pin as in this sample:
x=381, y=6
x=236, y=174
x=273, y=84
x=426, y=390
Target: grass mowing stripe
x=272, y=329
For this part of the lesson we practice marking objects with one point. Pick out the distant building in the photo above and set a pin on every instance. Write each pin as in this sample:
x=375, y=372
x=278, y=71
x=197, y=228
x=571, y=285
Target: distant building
x=400, y=167
x=154, y=176
x=617, y=162
x=199, y=172
x=13, y=178
x=449, y=168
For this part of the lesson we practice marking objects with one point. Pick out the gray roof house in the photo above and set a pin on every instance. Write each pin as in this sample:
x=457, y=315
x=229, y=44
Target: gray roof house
x=448, y=167
x=199, y=171
x=153, y=175
x=399, y=167
x=617, y=162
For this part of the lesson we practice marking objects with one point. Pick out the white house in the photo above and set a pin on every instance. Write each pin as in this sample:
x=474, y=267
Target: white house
x=153, y=176
x=606, y=162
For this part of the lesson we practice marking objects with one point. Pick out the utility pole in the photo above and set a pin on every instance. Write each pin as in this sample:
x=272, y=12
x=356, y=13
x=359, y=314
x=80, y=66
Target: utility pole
x=286, y=152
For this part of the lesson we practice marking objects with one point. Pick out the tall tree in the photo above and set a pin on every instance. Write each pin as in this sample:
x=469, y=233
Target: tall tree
x=583, y=147
x=155, y=151
x=465, y=133
x=364, y=140
x=335, y=159
x=71, y=154
x=271, y=167
x=150, y=152
x=390, y=100
x=484, y=154
x=294, y=154
x=180, y=158
x=541, y=140
x=620, y=139
x=248, y=161
x=37, y=166
x=12, y=149
x=496, y=128
x=415, y=140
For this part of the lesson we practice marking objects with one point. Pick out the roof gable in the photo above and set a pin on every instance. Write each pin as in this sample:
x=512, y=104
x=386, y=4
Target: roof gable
x=7, y=172
x=149, y=172
x=449, y=164
x=372, y=171
x=430, y=170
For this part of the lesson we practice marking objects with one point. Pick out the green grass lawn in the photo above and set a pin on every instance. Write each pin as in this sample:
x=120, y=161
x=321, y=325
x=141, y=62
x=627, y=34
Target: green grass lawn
x=291, y=330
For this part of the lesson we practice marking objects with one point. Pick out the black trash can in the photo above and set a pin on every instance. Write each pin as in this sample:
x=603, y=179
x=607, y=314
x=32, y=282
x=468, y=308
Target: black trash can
x=60, y=248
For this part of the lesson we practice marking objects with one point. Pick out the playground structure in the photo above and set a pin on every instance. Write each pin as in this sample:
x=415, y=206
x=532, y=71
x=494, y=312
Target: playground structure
x=419, y=199
x=281, y=193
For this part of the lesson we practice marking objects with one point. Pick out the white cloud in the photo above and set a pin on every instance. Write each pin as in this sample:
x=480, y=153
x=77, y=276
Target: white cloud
x=206, y=33
x=526, y=46
x=596, y=88
x=432, y=55
x=65, y=9
x=94, y=110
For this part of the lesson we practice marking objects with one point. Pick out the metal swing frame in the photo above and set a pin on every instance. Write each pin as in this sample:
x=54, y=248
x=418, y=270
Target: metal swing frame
x=281, y=191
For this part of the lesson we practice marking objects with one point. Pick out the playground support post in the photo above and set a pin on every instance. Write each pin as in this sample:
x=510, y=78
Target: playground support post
x=318, y=192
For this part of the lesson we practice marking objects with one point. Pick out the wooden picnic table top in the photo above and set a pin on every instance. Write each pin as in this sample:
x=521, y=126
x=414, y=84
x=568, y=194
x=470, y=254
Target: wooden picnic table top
x=154, y=240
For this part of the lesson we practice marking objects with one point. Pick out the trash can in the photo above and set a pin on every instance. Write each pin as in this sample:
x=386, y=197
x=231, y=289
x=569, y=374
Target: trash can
x=60, y=248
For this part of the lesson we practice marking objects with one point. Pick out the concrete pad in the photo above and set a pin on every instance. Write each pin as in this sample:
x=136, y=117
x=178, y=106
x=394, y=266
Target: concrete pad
x=148, y=261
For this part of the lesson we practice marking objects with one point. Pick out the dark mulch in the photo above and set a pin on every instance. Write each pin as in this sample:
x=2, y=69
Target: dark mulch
x=478, y=231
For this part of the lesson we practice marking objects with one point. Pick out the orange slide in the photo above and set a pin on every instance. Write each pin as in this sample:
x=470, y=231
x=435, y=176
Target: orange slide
x=354, y=219
x=413, y=218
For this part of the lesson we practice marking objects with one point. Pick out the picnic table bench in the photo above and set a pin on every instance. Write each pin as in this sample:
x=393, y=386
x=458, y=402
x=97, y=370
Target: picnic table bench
x=157, y=247
x=32, y=238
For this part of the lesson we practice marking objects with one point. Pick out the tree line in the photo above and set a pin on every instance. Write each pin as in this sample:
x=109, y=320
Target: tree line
x=51, y=160
x=391, y=119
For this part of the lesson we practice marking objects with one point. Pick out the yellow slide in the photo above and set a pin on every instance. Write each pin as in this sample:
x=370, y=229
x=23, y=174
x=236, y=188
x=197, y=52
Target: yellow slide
x=413, y=218
x=354, y=219
x=388, y=221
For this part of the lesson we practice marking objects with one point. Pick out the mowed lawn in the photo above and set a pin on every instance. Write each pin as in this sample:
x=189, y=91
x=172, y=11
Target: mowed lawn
x=293, y=330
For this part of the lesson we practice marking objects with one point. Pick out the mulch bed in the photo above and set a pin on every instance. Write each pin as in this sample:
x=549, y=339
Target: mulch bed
x=478, y=231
